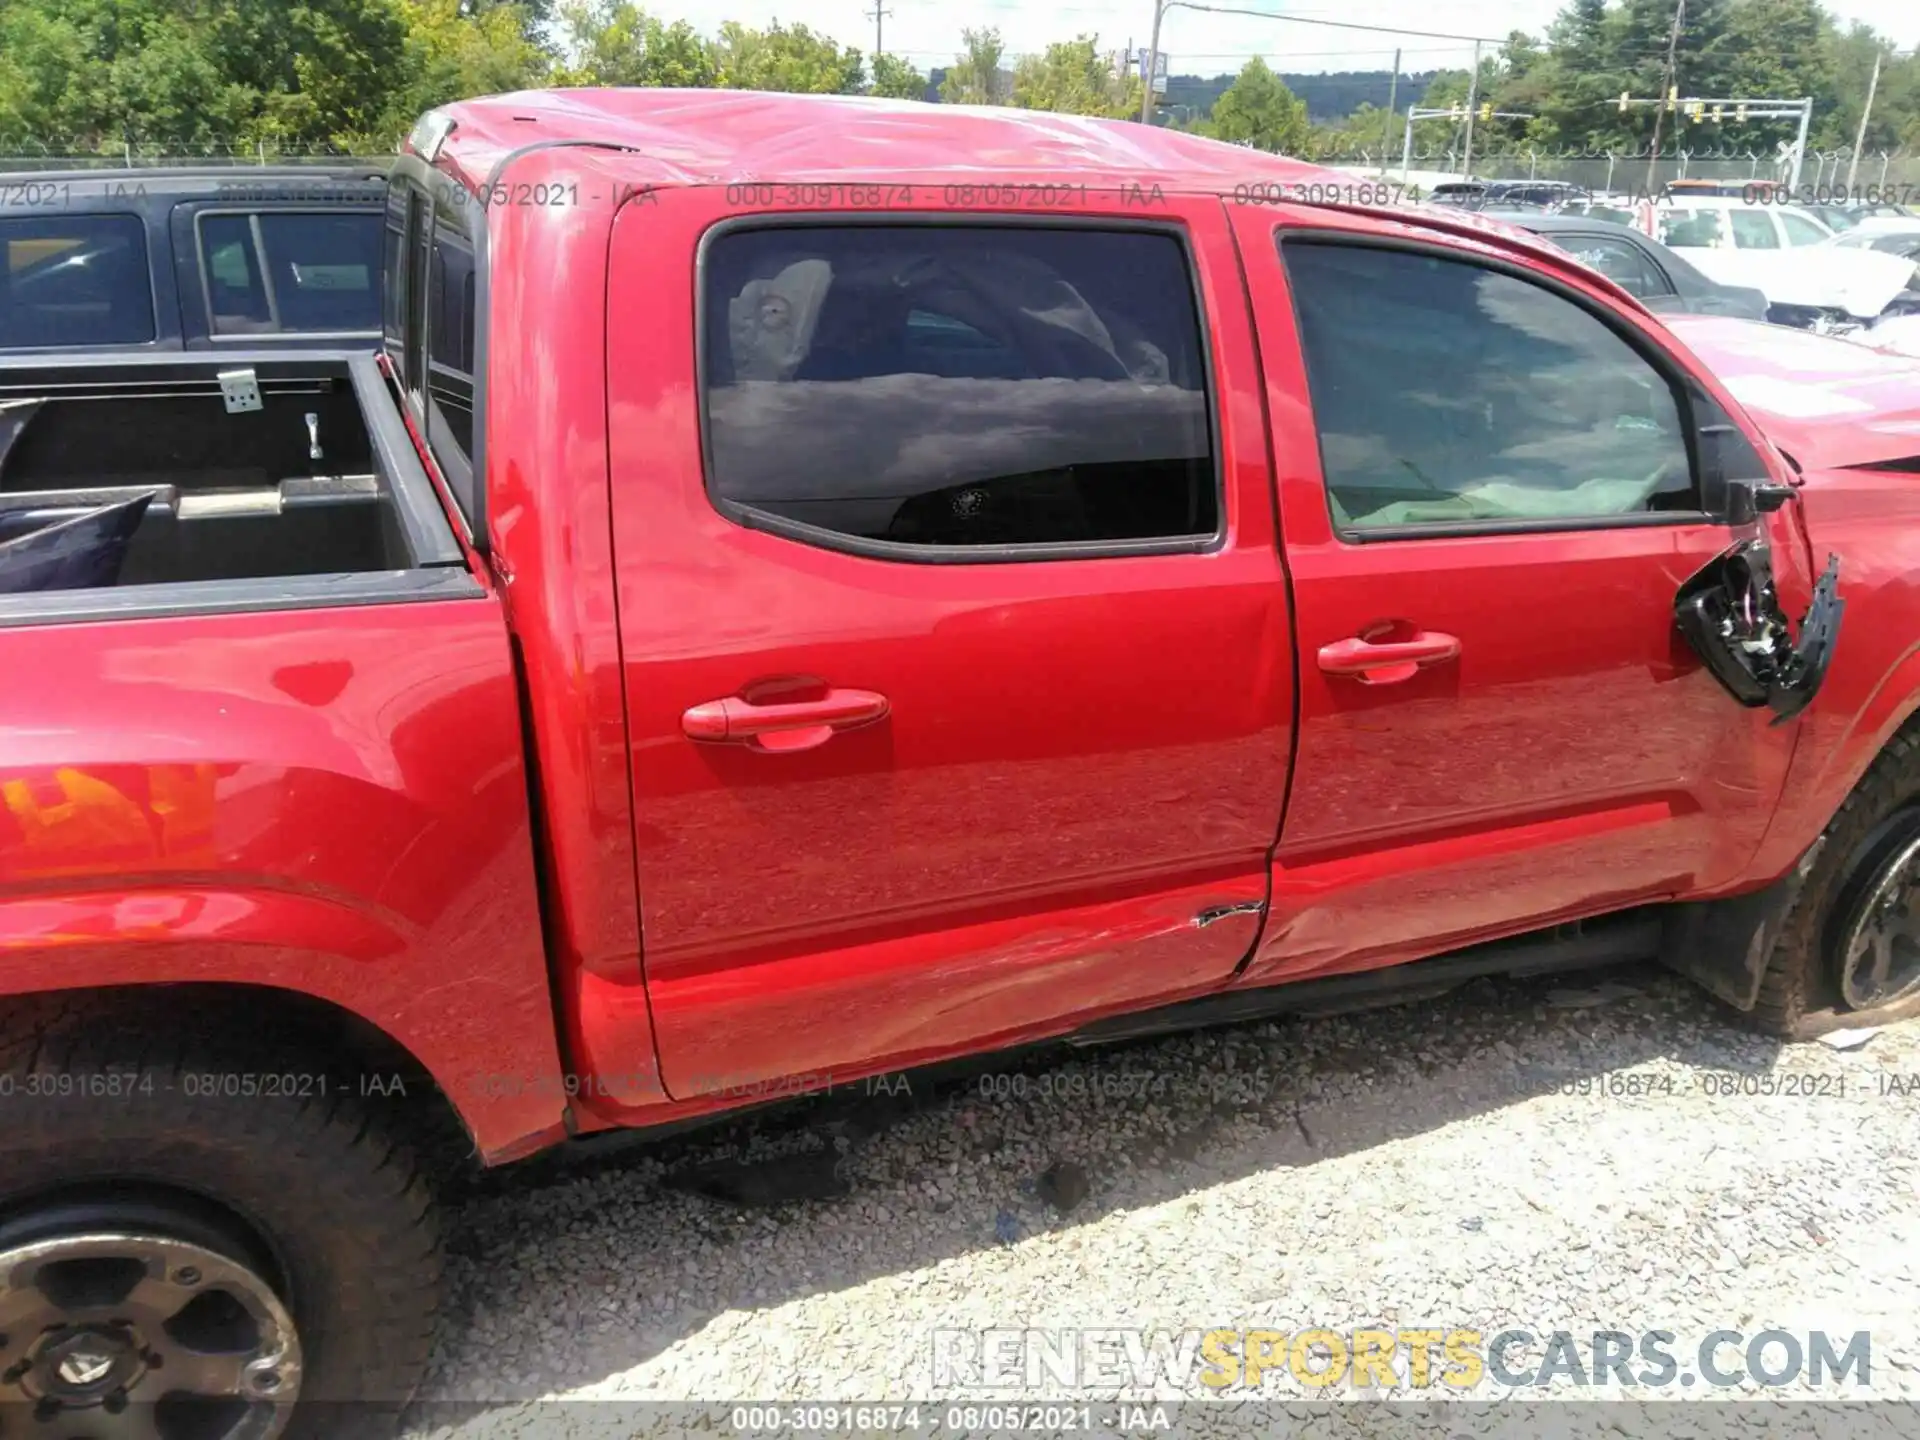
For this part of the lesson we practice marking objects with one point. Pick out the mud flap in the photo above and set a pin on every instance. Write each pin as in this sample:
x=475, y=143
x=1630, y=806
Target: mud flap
x=1732, y=618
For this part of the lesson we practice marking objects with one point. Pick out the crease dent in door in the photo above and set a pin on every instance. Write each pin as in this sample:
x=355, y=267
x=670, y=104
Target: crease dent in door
x=1730, y=614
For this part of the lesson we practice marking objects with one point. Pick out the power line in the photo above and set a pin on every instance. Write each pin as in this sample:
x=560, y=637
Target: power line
x=1333, y=24
x=1189, y=55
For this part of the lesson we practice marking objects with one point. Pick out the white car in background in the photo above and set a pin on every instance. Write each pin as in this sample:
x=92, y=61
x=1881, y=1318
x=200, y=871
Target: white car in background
x=1810, y=281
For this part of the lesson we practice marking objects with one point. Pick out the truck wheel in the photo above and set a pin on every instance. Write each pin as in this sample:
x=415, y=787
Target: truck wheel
x=183, y=1260
x=1849, y=951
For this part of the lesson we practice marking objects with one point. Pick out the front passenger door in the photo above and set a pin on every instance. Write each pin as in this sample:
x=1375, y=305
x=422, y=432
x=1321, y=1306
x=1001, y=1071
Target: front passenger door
x=1489, y=499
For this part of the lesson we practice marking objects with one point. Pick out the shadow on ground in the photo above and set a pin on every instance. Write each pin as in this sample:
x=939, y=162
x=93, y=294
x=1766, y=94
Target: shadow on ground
x=976, y=1158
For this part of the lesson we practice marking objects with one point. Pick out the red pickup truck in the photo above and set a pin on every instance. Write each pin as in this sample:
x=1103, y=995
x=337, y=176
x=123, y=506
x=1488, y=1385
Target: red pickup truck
x=814, y=587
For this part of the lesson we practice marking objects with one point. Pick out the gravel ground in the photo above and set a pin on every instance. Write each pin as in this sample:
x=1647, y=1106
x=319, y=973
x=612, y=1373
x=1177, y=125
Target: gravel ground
x=1434, y=1164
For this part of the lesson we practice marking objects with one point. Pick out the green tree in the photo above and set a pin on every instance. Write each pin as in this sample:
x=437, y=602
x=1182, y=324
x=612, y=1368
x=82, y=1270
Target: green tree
x=896, y=79
x=1258, y=110
x=792, y=59
x=615, y=42
x=1778, y=49
x=320, y=70
x=1570, y=88
x=1073, y=78
x=454, y=55
x=975, y=77
x=190, y=73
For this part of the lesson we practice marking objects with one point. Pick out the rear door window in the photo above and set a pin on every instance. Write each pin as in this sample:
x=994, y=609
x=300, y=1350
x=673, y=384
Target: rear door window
x=305, y=271
x=967, y=385
x=75, y=280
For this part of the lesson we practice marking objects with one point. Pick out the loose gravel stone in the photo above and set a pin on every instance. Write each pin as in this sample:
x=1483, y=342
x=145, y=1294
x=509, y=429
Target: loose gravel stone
x=1493, y=1160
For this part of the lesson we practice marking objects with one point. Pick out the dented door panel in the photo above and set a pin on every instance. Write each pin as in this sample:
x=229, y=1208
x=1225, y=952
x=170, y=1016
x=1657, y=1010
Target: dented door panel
x=1573, y=755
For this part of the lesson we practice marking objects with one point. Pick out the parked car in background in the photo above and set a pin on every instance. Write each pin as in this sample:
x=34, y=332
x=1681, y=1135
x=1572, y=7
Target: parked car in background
x=173, y=259
x=1899, y=335
x=1835, y=217
x=1461, y=194
x=1889, y=236
x=1782, y=251
x=1644, y=268
x=1841, y=217
x=1543, y=195
x=1616, y=209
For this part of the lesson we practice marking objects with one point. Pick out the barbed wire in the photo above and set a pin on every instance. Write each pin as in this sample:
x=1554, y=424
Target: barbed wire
x=100, y=151
x=1363, y=150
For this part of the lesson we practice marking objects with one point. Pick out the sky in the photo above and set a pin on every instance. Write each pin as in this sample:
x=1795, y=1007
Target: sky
x=927, y=32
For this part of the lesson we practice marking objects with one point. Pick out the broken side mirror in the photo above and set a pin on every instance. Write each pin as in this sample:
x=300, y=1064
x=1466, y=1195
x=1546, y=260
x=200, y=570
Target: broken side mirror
x=1747, y=500
x=1730, y=615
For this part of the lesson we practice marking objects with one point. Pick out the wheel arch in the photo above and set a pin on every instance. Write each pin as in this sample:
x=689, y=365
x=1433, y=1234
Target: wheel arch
x=282, y=1037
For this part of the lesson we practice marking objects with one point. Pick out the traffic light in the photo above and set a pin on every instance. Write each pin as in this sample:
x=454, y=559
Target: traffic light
x=1623, y=100
x=1673, y=98
x=1486, y=111
x=1719, y=113
x=1740, y=112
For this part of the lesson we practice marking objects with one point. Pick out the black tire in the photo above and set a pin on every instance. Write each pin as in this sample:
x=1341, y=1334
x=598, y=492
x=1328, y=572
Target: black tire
x=1801, y=993
x=308, y=1184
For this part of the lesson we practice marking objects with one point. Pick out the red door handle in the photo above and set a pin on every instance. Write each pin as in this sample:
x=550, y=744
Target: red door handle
x=1387, y=662
x=798, y=725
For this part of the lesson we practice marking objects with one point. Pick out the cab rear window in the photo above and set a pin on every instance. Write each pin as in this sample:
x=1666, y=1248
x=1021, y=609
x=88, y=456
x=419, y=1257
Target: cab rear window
x=74, y=280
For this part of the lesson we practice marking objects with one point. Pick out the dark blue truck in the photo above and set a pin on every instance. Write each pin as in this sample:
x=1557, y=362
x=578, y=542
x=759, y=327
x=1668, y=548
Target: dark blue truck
x=260, y=257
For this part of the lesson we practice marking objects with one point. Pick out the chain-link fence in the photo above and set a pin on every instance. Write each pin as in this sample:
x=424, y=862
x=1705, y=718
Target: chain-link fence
x=1822, y=172
x=32, y=155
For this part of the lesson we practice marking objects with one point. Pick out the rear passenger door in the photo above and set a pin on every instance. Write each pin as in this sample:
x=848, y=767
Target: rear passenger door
x=1489, y=494
x=955, y=634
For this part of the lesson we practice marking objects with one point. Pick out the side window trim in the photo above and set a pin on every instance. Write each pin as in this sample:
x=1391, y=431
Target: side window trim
x=751, y=518
x=1684, y=388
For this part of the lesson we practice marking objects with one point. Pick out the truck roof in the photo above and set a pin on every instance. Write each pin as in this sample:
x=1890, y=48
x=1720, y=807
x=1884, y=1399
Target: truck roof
x=721, y=137
x=669, y=137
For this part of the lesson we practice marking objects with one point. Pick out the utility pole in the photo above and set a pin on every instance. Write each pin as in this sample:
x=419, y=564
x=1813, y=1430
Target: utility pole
x=879, y=14
x=1473, y=89
x=1860, y=136
x=1393, y=99
x=1152, y=65
x=1666, y=89
x=1800, y=143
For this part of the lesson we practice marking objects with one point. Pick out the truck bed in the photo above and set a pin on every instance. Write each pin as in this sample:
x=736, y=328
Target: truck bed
x=240, y=513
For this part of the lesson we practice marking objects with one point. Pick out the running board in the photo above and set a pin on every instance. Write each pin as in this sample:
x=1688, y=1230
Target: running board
x=1635, y=935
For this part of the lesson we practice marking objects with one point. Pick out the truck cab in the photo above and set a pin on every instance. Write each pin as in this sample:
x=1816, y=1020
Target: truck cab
x=789, y=602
